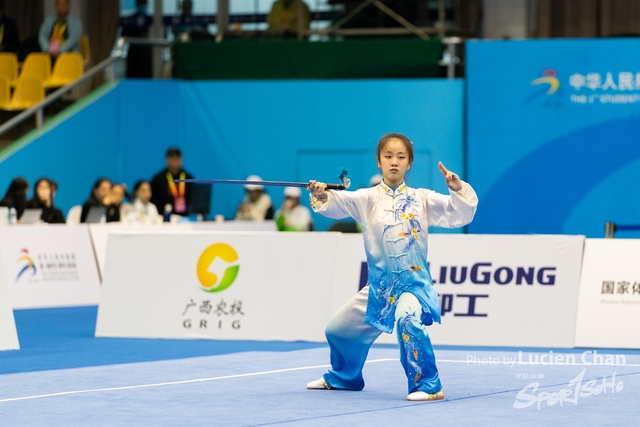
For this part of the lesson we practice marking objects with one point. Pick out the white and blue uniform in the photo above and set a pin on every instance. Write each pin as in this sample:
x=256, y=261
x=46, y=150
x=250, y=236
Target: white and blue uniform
x=400, y=289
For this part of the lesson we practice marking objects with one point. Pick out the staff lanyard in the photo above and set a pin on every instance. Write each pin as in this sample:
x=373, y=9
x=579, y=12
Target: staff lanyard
x=58, y=30
x=172, y=185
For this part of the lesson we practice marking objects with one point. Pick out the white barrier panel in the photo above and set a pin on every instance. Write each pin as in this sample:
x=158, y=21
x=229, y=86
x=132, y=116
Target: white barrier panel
x=8, y=334
x=609, y=299
x=99, y=232
x=259, y=286
x=49, y=266
x=495, y=290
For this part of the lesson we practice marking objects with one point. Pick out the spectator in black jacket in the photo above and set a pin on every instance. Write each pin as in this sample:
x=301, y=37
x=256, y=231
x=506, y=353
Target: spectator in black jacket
x=9, y=38
x=101, y=196
x=43, y=199
x=165, y=192
x=16, y=196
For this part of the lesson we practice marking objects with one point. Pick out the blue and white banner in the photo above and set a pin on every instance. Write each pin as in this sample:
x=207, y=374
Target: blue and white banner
x=553, y=140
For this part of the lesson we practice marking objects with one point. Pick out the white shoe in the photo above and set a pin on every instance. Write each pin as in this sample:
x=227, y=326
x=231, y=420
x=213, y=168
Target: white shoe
x=421, y=396
x=320, y=384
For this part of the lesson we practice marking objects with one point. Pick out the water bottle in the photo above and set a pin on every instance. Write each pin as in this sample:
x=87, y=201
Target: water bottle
x=167, y=212
x=13, y=216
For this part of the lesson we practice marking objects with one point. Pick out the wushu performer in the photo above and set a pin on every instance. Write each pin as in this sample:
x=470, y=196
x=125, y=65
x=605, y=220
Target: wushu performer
x=400, y=289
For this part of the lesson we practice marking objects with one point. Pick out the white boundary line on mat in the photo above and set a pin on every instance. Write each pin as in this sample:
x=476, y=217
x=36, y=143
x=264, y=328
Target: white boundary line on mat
x=197, y=380
x=277, y=371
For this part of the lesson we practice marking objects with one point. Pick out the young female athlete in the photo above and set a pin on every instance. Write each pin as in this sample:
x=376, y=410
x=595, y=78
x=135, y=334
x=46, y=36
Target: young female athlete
x=400, y=290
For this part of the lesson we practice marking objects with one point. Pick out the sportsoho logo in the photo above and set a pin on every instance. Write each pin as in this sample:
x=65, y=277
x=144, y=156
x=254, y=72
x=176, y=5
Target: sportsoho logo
x=213, y=269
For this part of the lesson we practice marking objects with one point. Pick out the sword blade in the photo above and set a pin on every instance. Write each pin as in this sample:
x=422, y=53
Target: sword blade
x=243, y=182
x=267, y=183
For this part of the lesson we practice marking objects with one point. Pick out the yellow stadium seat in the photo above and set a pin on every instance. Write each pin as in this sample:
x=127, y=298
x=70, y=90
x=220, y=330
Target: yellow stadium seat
x=85, y=50
x=37, y=64
x=68, y=68
x=28, y=93
x=5, y=92
x=9, y=66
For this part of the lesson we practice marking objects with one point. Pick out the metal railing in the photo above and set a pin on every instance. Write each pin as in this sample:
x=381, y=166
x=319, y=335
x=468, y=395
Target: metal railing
x=107, y=65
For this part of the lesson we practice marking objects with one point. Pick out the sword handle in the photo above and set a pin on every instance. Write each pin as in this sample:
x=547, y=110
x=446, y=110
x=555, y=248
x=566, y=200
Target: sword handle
x=335, y=187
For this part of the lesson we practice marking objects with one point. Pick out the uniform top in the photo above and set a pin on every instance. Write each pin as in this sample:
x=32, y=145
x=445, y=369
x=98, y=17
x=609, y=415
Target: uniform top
x=394, y=227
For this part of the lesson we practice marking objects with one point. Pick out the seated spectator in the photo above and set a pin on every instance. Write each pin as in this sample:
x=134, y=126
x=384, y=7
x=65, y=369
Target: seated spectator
x=284, y=16
x=165, y=192
x=60, y=32
x=43, y=199
x=100, y=196
x=142, y=211
x=256, y=205
x=16, y=196
x=115, y=202
x=184, y=23
x=375, y=180
x=9, y=38
x=292, y=216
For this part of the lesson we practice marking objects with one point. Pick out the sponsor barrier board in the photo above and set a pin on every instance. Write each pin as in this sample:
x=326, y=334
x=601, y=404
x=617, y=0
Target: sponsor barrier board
x=226, y=285
x=49, y=266
x=609, y=299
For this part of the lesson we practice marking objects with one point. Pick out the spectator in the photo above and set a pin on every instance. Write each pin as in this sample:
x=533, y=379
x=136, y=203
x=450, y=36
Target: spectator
x=185, y=22
x=284, y=16
x=115, y=202
x=165, y=192
x=100, y=196
x=9, y=38
x=256, y=205
x=142, y=211
x=139, y=58
x=16, y=196
x=43, y=199
x=292, y=216
x=60, y=32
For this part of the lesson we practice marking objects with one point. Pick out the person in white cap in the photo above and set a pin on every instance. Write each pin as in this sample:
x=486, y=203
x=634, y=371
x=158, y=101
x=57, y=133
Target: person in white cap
x=375, y=180
x=292, y=216
x=256, y=205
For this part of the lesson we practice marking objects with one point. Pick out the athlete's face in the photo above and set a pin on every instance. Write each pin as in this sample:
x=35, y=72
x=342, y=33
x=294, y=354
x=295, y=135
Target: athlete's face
x=393, y=161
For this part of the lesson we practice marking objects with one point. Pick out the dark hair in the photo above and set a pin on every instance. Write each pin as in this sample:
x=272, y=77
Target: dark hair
x=408, y=145
x=16, y=195
x=97, y=185
x=173, y=152
x=139, y=184
x=36, y=197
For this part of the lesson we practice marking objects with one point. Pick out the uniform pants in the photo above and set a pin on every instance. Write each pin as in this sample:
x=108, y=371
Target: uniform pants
x=350, y=339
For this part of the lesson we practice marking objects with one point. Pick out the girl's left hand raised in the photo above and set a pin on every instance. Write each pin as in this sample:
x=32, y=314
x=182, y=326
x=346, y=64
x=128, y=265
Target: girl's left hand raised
x=453, y=180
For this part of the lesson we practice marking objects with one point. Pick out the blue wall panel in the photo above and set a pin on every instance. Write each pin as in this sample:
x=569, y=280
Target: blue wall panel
x=549, y=159
x=301, y=130
x=281, y=130
x=74, y=152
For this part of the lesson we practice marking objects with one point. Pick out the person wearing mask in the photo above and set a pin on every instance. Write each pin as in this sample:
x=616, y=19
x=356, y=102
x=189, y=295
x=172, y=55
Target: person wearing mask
x=256, y=205
x=9, y=38
x=61, y=32
x=43, y=199
x=292, y=216
x=142, y=211
x=100, y=196
x=166, y=192
x=16, y=196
